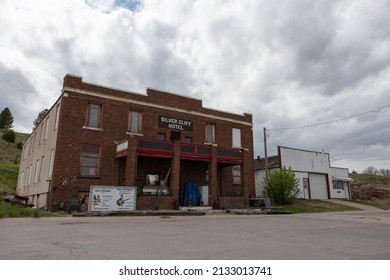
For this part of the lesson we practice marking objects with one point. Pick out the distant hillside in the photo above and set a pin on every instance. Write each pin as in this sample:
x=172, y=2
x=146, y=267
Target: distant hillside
x=365, y=179
x=9, y=153
x=371, y=187
x=9, y=162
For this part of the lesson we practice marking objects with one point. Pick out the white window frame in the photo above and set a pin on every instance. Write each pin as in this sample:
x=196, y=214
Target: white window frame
x=57, y=117
x=135, y=122
x=210, y=133
x=37, y=170
x=94, y=123
x=236, y=138
x=47, y=128
x=50, y=170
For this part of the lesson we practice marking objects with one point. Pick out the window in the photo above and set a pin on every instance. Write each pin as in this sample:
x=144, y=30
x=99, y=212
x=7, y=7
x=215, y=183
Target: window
x=21, y=182
x=41, y=133
x=187, y=140
x=90, y=161
x=161, y=136
x=50, y=170
x=29, y=175
x=135, y=122
x=57, y=117
x=94, y=115
x=40, y=169
x=210, y=133
x=236, y=175
x=47, y=128
x=37, y=167
x=33, y=141
x=338, y=185
x=236, y=137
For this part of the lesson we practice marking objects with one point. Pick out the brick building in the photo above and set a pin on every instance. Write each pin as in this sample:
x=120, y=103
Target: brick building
x=96, y=135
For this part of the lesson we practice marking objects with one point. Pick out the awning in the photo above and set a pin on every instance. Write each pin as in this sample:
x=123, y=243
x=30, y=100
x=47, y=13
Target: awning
x=345, y=179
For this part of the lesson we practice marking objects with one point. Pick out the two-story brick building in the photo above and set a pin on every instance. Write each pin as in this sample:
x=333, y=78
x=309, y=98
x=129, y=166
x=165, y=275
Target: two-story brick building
x=96, y=135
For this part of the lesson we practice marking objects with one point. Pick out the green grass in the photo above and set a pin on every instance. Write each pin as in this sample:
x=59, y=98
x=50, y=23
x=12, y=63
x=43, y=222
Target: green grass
x=8, y=177
x=8, y=210
x=9, y=153
x=314, y=206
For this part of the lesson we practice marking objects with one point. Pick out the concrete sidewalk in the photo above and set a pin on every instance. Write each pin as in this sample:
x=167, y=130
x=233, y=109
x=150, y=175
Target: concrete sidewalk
x=355, y=205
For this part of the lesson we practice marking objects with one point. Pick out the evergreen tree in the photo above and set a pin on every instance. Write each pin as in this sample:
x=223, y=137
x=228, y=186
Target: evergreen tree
x=6, y=119
x=40, y=117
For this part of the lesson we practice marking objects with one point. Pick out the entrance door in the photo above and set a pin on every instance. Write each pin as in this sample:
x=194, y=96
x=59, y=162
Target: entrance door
x=318, y=186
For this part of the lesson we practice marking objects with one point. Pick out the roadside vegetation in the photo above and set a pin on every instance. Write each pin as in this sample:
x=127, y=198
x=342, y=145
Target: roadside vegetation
x=371, y=189
x=298, y=206
x=8, y=210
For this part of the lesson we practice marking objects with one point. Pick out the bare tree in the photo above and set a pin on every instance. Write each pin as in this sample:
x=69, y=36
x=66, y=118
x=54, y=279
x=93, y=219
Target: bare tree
x=384, y=172
x=371, y=170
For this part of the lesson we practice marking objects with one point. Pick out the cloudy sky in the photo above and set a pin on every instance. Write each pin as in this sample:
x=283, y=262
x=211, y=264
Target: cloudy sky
x=292, y=64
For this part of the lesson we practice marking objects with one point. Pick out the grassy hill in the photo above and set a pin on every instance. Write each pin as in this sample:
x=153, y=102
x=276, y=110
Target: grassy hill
x=9, y=162
x=9, y=152
x=371, y=189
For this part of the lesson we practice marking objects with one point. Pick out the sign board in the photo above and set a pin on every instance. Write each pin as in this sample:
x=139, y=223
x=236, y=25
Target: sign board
x=112, y=198
x=175, y=123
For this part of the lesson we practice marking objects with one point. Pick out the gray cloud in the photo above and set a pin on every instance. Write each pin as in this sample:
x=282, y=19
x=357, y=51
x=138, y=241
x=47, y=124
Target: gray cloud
x=290, y=63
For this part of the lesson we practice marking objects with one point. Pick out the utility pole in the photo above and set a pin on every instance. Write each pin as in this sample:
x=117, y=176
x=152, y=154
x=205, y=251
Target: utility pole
x=265, y=154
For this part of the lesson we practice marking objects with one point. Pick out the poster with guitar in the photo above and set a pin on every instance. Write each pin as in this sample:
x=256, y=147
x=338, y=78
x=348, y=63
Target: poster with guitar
x=112, y=198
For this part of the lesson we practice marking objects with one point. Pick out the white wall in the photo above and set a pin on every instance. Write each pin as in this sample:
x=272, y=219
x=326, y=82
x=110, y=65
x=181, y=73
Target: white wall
x=39, y=145
x=303, y=163
x=340, y=193
x=308, y=161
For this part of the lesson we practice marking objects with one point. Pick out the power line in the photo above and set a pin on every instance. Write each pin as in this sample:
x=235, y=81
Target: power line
x=336, y=120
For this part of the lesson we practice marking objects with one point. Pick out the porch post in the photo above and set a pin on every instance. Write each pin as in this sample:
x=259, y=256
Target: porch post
x=213, y=178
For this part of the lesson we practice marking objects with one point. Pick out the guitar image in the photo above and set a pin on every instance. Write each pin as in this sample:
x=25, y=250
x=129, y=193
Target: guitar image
x=121, y=200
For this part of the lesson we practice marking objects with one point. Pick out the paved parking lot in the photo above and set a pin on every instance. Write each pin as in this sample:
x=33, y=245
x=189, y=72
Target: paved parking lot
x=343, y=235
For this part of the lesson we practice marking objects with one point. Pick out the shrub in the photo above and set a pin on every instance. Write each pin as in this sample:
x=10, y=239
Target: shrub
x=9, y=136
x=19, y=145
x=282, y=186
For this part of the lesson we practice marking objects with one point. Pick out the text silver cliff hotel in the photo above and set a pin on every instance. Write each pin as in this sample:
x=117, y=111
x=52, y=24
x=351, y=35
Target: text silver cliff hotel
x=99, y=136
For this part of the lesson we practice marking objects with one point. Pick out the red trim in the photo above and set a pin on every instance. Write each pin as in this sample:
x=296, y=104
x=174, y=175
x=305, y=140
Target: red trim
x=154, y=153
x=230, y=160
x=196, y=155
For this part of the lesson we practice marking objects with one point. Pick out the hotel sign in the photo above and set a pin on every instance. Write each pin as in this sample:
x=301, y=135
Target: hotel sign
x=175, y=123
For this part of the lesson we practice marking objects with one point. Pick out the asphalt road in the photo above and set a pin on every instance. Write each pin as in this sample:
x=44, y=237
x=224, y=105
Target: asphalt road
x=320, y=236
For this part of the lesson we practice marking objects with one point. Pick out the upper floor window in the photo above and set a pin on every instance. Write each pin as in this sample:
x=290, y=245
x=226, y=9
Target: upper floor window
x=236, y=135
x=57, y=117
x=135, y=122
x=210, y=133
x=187, y=140
x=94, y=115
x=47, y=128
x=90, y=157
x=161, y=136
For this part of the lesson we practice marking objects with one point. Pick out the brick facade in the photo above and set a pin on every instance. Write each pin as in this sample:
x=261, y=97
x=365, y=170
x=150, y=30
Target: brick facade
x=204, y=163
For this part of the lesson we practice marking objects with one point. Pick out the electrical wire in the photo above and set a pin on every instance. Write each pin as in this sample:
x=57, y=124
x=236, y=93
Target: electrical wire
x=336, y=120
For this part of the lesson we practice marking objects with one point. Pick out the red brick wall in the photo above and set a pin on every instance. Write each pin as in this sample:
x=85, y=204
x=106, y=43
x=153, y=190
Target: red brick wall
x=115, y=116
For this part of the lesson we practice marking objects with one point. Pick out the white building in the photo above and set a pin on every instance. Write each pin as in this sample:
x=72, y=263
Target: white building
x=317, y=179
